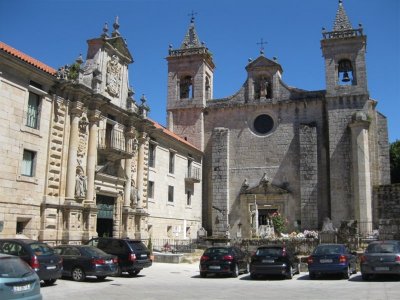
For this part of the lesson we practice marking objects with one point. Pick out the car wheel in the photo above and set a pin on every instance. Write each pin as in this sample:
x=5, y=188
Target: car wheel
x=348, y=273
x=49, y=281
x=365, y=276
x=134, y=272
x=312, y=275
x=235, y=272
x=78, y=274
x=101, y=278
x=203, y=274
x=289, y=274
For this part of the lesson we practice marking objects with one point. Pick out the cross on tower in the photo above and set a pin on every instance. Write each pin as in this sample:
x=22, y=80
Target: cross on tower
x=192, y=14
x=262, y=46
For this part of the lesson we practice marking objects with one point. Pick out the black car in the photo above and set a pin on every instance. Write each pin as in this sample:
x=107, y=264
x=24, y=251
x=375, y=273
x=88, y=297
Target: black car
x=80, y=261
x=381, y=258
x=132, y=255
x=40, y=256
x=224, y=260
x=274, y=260
x=332, y=259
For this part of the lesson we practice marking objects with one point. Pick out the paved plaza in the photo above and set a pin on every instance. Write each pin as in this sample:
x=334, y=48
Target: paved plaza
x=182, y=281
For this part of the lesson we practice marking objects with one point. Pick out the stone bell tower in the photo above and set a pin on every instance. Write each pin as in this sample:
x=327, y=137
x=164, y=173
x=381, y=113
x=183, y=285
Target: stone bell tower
x=190, y=85
x=349, y=111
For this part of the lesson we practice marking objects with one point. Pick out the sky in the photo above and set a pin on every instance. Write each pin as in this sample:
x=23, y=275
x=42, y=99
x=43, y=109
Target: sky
x=56, y=32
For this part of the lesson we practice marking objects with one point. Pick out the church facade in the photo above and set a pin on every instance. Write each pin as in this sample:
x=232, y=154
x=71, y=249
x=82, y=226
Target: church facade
x=81, y=158
x=272, y=148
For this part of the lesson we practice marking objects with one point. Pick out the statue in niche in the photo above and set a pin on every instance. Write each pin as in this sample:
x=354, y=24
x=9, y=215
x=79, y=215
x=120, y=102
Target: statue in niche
x=80, y=184
x=135, y=197
x=263, y=87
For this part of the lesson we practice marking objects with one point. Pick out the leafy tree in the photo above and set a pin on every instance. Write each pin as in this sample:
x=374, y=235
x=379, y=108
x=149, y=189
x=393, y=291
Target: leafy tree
x=395, y=161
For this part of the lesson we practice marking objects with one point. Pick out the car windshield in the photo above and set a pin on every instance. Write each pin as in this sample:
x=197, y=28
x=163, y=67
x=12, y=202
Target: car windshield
x=269, y=251
x=137, y=245
x=217, y=251
x=41, y=249
x=93, y=251
x=382, y=248
x=13, y=267
x=328, y=249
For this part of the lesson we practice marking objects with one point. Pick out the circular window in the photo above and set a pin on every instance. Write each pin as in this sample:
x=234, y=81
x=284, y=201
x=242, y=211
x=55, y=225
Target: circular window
x=263, y=124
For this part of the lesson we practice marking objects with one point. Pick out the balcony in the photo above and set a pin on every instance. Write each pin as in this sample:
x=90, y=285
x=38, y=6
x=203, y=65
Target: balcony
x=113, y=145
x=193, y=175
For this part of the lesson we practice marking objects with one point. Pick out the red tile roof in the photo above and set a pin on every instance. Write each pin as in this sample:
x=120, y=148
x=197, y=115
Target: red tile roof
x=26, y=58
x=173, y=135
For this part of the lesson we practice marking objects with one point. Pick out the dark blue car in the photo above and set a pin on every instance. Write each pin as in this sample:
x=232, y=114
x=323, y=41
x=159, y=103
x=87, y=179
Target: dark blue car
x=332, y=259
x=80, y=261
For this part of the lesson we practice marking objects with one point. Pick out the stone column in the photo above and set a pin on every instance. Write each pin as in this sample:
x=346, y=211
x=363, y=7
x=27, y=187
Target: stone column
x=362, y=190
x=140, y=168
x=220, y=182
x=94, y=117
x=129, y=135
x=76, y=111
x=308, y=176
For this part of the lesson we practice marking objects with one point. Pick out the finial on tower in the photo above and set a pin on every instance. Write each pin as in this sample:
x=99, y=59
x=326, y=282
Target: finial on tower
x=116, y=27
x=105, y=30
x=192, y=14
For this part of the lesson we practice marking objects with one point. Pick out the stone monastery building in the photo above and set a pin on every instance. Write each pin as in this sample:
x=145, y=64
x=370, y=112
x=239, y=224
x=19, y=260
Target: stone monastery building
x=81, y=158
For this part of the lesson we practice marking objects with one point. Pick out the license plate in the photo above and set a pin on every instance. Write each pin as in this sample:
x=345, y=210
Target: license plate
x=381, y=268
x=214, y=267
x=51, y=267
x=109, y=261
x=143, y=255
x=21, y=288
x=325, y=261
x=268, y=260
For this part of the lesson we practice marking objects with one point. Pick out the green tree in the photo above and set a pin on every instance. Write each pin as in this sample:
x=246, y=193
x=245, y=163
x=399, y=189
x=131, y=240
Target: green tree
x=395, y=161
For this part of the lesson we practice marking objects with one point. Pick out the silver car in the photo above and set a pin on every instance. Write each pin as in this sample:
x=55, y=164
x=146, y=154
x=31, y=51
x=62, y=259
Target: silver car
x=17, y=279
x=381, y=257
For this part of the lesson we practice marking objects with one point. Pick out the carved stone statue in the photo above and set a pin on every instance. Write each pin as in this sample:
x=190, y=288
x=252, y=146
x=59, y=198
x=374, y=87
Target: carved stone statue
x=327, y=226
x=113, y=76
x=80, y=184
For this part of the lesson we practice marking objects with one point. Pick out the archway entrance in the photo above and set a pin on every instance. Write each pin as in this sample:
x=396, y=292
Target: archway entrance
x=105, y=206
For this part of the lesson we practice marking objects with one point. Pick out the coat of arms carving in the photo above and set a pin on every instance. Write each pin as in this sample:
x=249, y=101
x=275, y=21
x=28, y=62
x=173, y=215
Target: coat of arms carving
x=113, y=76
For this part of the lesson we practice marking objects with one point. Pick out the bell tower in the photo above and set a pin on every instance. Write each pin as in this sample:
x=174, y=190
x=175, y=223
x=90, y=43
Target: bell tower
x=190, y=85
x=344, y=52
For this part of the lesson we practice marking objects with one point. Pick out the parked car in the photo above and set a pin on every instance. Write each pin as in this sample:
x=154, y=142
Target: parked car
x=224, y=260
x=332, y=259
x=17, y=279
x=80, y=261
x=132, y=255
x=274, y=260
x=381, y=257
x=40, y=256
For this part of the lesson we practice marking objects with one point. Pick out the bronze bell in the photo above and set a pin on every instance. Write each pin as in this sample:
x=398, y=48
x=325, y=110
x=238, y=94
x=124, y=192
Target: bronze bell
x=346, y=77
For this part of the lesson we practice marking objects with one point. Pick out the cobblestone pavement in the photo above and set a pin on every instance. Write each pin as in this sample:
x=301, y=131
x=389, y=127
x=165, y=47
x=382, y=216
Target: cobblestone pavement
x=182, y=281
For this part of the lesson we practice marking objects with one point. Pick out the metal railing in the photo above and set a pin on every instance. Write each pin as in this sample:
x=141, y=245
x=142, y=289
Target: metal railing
x=115, y=140
x=193, y=173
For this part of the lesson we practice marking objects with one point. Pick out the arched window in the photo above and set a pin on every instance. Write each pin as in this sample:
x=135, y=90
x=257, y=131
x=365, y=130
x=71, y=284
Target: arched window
x=186, y=87
x=345, y=72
